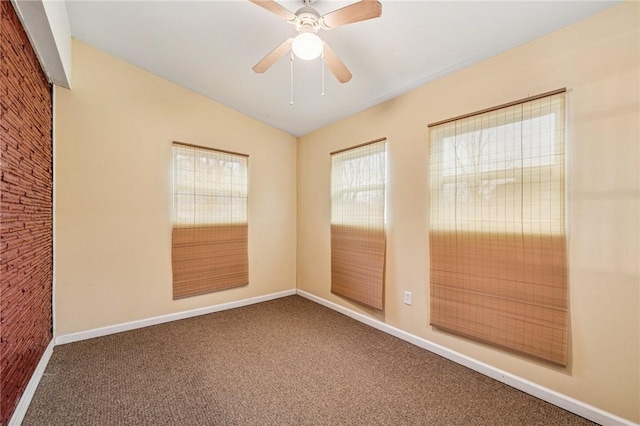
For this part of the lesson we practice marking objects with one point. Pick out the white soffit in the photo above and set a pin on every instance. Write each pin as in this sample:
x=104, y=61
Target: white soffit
x=47, y=26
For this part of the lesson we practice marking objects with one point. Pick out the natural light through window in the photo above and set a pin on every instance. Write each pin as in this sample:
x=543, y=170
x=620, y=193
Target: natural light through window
x=210, y=229
x=497, y=226
x=358, y=238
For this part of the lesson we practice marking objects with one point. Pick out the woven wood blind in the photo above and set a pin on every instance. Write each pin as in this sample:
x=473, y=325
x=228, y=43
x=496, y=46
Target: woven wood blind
x=497, y=227
x=210, y=230
x=358, y=240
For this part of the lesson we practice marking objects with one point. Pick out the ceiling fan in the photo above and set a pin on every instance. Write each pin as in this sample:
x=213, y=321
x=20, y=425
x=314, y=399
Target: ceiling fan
x=307, y=21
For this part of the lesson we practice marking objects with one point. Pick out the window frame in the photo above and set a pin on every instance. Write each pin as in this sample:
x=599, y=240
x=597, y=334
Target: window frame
x=499, y=282
x=209, y=253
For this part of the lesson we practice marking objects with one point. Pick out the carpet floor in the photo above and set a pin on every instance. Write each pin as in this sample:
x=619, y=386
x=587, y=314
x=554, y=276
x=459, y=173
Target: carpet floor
x=288, y=361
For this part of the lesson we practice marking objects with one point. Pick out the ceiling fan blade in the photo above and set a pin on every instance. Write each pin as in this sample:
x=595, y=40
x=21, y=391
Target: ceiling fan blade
x=275, y=8
x=273, y=56
x=335, y=64
x=361, y=11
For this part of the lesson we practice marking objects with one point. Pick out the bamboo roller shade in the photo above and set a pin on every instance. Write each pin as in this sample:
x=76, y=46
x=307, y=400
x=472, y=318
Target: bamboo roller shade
x=208, y=259
x=358, y=239
x=210, y=230
x=357, y=264
x=497, y=228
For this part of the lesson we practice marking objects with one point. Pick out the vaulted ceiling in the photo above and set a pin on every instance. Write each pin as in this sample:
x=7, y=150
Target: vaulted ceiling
x=211, y=46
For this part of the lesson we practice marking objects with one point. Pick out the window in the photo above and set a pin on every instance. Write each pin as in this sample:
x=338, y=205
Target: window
x=210, y=230
x=497, y=227
x=358, y=240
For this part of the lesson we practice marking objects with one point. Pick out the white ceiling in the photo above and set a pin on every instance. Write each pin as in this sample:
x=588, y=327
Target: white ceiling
x=210, y=47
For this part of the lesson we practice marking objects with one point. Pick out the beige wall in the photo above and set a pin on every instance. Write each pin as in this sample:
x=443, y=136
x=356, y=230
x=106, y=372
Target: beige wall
x=112, y=227
x=113, y=134
x=598, y=61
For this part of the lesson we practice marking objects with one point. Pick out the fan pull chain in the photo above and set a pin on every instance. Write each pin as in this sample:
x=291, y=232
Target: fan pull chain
x=322, y=94
x=291, y=68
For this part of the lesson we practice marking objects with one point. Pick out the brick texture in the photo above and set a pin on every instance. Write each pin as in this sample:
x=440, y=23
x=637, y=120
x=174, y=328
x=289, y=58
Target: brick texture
x=26, y=182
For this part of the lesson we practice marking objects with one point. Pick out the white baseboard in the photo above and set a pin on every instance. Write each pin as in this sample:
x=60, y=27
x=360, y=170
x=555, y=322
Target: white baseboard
x=30, y=390
x=132, y=325
x=25, y=399
x=570, y=404
x=563, y=401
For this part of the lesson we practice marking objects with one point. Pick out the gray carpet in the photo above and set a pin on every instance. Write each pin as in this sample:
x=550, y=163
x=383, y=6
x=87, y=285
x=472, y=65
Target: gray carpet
x=285, y=362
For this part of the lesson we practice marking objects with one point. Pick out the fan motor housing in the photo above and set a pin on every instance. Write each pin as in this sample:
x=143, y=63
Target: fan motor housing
x=307, y=20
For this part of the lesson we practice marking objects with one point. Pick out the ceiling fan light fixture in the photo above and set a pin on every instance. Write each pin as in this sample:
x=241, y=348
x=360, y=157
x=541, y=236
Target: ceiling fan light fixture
x=307, y=22
x=307, y=46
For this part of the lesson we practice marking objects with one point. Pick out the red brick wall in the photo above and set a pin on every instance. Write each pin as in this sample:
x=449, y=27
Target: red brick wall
x=26, y=182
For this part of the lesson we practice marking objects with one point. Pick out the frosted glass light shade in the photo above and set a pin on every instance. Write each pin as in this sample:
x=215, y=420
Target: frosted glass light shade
x=307, y=46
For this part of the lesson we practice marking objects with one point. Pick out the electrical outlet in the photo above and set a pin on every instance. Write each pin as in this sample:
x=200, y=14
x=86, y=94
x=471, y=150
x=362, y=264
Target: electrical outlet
x=407, y=297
